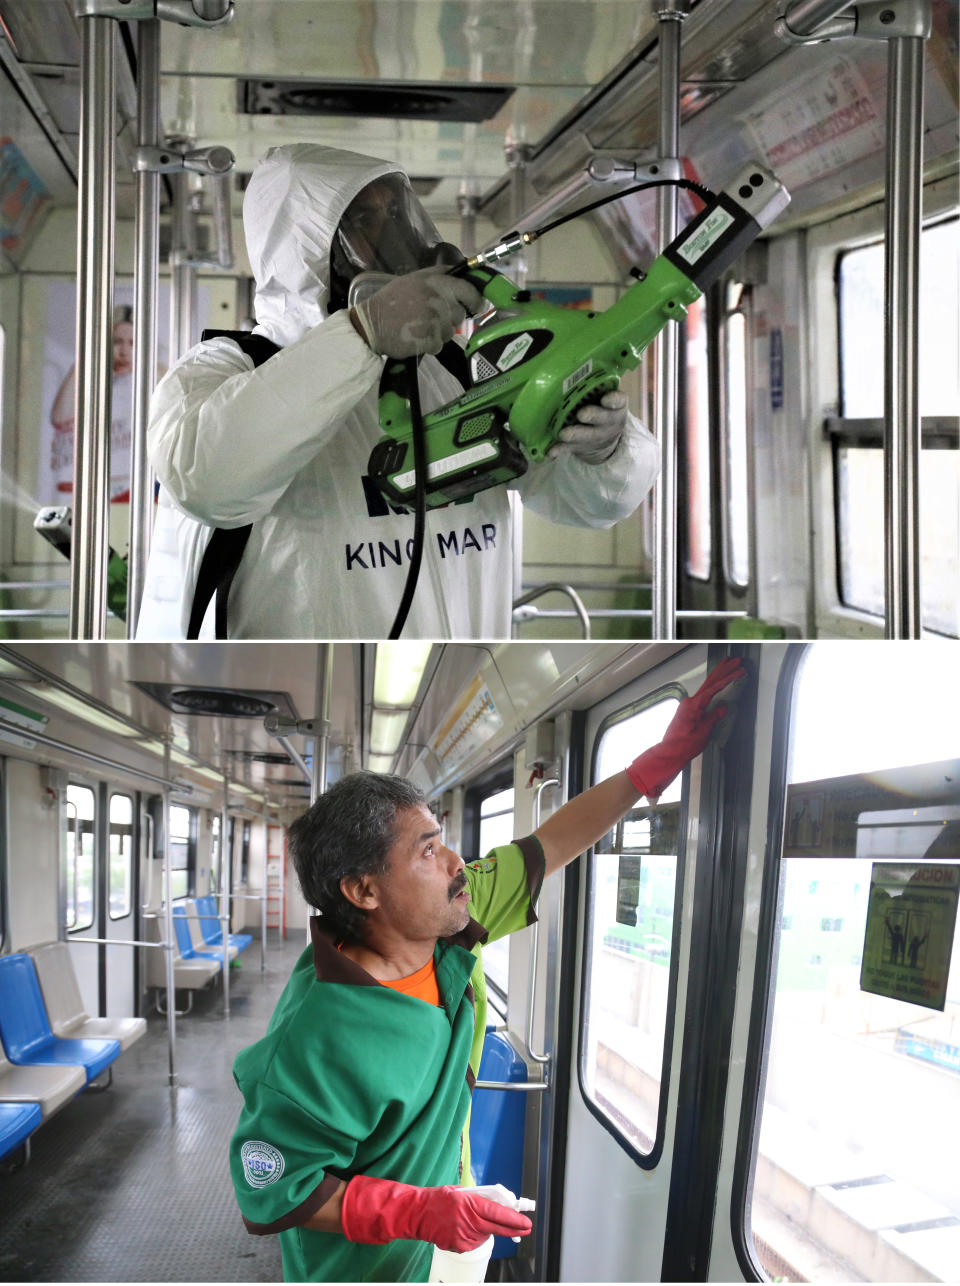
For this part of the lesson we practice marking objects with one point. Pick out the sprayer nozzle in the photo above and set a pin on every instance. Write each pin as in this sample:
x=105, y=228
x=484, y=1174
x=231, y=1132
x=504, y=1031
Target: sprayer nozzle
x=509, y=245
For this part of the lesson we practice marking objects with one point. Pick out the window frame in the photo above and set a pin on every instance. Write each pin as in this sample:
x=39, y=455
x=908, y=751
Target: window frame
x=765, y=969
x=646, y=1160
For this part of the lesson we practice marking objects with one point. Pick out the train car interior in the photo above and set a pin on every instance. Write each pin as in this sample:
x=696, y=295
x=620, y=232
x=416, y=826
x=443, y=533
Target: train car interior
x=711, y=1079
x=801, y=494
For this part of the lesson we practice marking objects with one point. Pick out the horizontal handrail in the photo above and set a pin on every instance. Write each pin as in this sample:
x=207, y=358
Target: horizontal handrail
x=121, y=942
x=523, y=1086
x=621, y=613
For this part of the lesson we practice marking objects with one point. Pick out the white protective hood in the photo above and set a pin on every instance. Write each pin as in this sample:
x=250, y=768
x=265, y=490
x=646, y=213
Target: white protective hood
x=296, y=197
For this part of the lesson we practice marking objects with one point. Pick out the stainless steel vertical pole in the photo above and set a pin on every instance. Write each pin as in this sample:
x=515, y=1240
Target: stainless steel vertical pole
x=225, y=860
x=145, y=273
x=318, y=776
x=169, y=948
x=901, y=351
x=94, y=352
x=670, y=14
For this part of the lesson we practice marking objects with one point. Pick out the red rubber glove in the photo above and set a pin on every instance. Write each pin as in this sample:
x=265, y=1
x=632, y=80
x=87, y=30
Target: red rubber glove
x=375, y=1211
x=687, y=733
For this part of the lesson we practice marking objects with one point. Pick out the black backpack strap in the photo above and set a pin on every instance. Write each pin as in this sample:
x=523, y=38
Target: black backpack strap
x=454, y=359
x=224, y=550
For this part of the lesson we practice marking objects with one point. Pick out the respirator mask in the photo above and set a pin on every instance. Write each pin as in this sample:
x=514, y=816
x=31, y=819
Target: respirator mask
x=385, y=232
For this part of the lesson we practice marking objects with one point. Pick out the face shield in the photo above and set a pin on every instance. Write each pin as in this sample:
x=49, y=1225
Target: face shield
x=384, y=229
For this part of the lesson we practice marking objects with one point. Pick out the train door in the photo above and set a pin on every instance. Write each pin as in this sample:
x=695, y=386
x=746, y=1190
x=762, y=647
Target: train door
x=99, y=894
x=633, y=943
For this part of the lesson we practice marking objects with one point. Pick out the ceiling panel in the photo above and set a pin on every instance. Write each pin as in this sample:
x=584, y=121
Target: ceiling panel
x=108, y=671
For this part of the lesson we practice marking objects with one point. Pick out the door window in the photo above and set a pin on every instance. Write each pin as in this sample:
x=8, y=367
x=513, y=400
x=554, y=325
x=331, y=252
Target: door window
x=121, y=856
x=78, y=859
x=633, y=894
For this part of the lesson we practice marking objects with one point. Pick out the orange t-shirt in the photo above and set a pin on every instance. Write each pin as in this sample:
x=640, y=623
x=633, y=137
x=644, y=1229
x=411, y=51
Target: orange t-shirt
x=422, y=985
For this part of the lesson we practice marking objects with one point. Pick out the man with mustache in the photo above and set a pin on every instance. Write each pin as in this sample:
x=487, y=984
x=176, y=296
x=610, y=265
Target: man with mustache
x=353, y=1140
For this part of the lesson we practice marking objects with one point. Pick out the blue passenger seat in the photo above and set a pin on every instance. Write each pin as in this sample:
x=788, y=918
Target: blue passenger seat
x=497, y=1124
x=17, y=1122
x=185, y=943
x=25, y=1027
x=210, y=926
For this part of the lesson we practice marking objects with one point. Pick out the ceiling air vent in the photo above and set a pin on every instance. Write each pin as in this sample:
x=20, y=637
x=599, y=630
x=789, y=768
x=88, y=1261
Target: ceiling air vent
x=410, y=101
x=226, y=703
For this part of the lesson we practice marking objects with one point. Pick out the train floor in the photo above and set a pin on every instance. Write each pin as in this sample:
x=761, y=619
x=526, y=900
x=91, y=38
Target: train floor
x=132, y=1184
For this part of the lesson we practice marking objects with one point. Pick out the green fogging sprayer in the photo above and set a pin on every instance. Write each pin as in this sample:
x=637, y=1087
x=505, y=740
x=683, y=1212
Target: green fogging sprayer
x=533, y=363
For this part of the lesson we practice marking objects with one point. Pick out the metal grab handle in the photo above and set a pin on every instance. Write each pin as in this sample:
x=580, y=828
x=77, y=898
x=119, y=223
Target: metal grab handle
x=570, y=592
x=525, y=1087
x=542, y=1059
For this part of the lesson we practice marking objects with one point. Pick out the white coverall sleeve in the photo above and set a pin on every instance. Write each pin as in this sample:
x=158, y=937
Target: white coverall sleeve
x=226, y=439
x=577, y=494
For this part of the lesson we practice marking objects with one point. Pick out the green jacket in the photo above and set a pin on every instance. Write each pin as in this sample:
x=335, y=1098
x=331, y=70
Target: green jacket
x=356, y=1078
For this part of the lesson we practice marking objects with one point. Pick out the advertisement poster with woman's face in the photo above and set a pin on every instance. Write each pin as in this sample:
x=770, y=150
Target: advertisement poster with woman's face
x=55, y=468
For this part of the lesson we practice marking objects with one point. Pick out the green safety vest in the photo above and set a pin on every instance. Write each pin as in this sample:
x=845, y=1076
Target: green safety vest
x=356, y=1078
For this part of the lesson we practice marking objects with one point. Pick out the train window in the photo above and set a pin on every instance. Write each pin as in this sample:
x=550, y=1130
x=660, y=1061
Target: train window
x=736, y=548
x=857, y=435
x=182, y=851
x=629, y=935
x=121, y=856
x=496, y=827
x=855, y=1175
x=861, y=305
x=859, y=482
x=698, y=443
x=78, y=858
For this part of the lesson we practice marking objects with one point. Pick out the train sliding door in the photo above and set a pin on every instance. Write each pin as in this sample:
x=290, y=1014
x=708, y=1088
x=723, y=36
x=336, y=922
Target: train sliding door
x=633, y=946
x=99, y=883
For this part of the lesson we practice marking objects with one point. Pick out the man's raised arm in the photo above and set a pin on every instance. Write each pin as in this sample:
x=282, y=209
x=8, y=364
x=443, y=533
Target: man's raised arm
x=584, y=819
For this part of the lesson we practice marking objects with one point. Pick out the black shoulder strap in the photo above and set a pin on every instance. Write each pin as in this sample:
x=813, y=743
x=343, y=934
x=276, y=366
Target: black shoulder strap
x=454, y=359
x=224, y=550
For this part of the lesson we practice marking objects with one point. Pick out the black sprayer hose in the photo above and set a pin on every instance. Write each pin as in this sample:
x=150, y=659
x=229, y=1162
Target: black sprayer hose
x=420, y=495
x=703, y=193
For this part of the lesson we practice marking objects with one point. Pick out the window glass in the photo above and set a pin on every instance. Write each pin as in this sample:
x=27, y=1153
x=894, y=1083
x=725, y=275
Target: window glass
x=181, y=854
x=120, y=875
x=860, y=517
x=736, y=542
x=78, y=864
x=629, y=933
x=698, y=444
x=496, y=828
x=856, y=1176
x=861, y=325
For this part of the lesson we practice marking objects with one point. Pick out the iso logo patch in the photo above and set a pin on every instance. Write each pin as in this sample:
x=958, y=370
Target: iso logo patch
x=262, y=1164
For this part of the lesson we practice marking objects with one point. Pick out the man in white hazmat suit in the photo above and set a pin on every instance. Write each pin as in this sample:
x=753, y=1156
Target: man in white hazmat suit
x=284, y=445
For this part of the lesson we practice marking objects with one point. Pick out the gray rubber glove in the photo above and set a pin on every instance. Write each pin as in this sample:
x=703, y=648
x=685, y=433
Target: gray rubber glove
x=595, y=434
x=416, y=313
